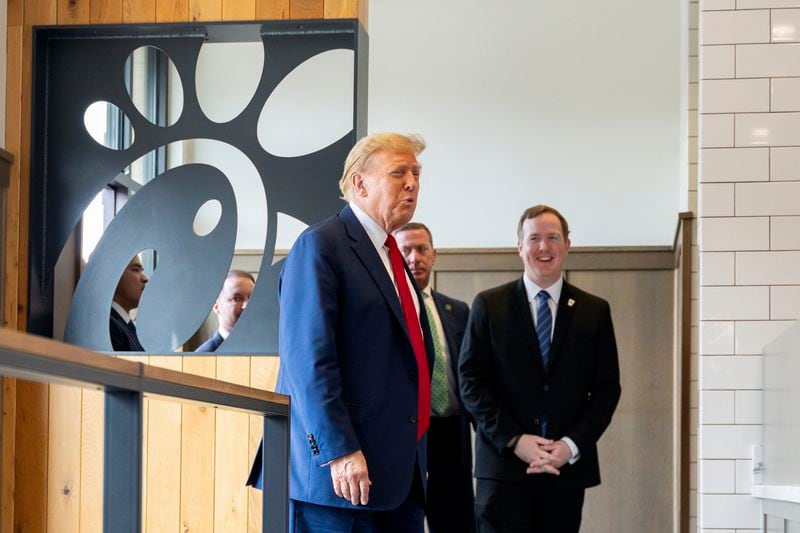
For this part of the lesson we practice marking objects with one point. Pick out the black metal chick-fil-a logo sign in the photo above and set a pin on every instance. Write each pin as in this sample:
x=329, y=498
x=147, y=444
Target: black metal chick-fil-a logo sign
x=77, y=68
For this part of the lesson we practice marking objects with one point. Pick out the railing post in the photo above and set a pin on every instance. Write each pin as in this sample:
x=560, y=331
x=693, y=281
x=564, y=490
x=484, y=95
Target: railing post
x=275, y=458
x=122, y=478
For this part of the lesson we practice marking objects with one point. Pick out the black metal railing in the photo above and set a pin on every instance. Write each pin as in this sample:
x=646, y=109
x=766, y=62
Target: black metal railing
x=125, y=384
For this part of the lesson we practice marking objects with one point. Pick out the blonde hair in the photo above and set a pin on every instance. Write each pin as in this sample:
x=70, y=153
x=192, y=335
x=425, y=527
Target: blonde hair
x=366, y=146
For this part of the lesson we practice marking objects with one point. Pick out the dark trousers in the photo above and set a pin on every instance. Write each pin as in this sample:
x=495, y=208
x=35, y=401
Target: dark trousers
x=535, y=504
x=450, y=501
x=409, y=517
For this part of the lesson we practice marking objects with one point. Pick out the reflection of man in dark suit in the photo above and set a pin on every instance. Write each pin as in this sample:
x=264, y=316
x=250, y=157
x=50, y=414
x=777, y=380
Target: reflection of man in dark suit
x=354, y=346
x=230, y=304
x=126, y=297
x=449, y=502
x=540, y=375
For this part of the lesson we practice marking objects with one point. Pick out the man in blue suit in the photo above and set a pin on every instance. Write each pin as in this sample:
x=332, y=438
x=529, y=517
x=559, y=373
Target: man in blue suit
x=355, y=350
x=230, y=304
x=450, y=498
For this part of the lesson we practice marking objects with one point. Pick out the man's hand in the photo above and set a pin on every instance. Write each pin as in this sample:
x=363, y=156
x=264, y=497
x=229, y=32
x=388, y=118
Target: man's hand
x=558, y=453
x=531, y=449
x=350, y=478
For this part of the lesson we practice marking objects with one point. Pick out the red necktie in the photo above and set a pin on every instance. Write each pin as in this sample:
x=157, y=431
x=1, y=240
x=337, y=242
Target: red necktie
x=415, y=332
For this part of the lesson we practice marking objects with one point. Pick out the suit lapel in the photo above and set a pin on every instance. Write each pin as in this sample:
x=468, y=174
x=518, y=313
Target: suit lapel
x=366, y=253
x=566, y=309
x=521, y=315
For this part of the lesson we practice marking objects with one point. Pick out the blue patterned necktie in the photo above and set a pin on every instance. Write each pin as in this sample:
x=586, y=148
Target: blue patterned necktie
x=544, y=325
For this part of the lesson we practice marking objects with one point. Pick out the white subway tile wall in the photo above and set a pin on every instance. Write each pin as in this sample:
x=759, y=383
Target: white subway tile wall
x=733, y=233
x=749, y=257
x=735, y=27
x=785, y=93
x=717, y=268
x=784, y=164
x=716, y=131
x=717, y=199
x=727, y=96
x=718, y=62
x=735, y=164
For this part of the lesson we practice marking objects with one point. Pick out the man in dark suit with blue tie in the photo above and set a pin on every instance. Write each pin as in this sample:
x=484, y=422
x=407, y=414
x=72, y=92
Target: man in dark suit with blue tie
x=129, y=290
x=355, y=352
x=230, y=304
x=450, y=497
x=540, y=375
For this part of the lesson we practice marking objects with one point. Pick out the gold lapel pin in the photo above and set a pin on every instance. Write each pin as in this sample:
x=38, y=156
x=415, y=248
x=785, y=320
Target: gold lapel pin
x=570, y=302
x=448, y=307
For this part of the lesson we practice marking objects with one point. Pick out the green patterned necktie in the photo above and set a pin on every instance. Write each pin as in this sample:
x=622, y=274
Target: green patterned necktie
x=439, y=400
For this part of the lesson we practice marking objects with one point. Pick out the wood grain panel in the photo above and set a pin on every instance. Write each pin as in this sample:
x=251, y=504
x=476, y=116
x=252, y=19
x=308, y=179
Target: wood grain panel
x=238, y=9
x=106, y=12
x=7, y=468
x=39, y=17
x=138, y=11
x=163, y=458
x=272, y=9
x=92, y=450
x=14, y=14
x=172, y=10
x=72, y=12
x=40, y=12
x=30, y=465
x=231, y=455
x=306, y=9
x=197, y=455
x=64, y=460
x=13, y=144
x=263, y=375
x=205, y=10
x=341, y=9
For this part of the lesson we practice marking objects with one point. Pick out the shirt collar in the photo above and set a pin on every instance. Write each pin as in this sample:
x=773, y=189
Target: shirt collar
x=374, y=231
x=223, y=332
x=532, y=289
x=121, y=312
x=427, y=292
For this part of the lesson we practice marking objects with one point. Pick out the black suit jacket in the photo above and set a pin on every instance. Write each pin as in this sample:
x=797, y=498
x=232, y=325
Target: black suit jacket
x=123, y=335
x=507, y=390
x=211, y=344
x=450, y=499
x=454, y=314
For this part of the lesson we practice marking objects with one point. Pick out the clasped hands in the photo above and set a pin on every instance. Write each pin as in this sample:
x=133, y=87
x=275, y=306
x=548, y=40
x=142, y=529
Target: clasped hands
x=543, y=456
x=351, y=478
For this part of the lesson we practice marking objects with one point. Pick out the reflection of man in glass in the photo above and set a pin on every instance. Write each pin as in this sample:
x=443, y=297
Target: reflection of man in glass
x=126, y=297
x=230, y=304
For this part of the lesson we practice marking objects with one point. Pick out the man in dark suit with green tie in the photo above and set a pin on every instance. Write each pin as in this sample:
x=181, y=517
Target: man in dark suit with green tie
x=450, y=499
x=540, y=375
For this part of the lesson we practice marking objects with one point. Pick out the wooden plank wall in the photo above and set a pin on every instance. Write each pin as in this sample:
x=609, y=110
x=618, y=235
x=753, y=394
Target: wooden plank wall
x=196, y=459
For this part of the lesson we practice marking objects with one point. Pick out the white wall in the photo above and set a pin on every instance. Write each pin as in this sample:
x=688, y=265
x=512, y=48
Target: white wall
x=749, y=209
x=577, y=105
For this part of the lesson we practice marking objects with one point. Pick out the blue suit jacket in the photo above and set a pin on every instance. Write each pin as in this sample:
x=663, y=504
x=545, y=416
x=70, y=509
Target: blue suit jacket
x=211, y=344
x=348, y=364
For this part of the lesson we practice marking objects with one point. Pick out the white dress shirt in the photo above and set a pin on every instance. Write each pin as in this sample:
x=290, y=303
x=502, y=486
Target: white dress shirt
x=122, y=313
x=532, y=291
x=378, y=236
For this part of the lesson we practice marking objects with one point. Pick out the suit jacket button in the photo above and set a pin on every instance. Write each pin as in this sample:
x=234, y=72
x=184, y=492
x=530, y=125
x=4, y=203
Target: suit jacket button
x=412, y=376
x=546, y=388
x=412, y=419
x=536, y=421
